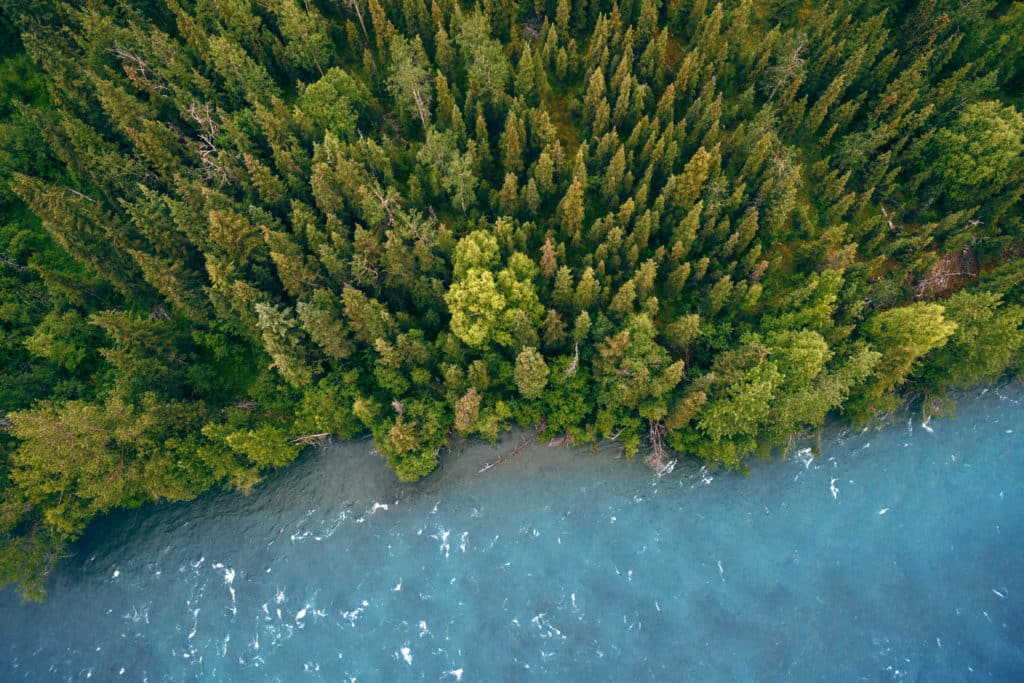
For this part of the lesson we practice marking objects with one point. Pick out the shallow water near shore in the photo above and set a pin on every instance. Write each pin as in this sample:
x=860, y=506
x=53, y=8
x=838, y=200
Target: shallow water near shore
x=895, y=555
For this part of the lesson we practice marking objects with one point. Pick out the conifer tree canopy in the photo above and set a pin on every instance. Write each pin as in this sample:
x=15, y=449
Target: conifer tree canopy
x=233, y=229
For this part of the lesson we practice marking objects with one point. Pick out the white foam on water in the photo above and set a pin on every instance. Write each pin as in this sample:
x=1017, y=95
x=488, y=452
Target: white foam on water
x=407, y=655
x=136, y=615
x=667, y=468
x=352, y=616
x=117, y=573
x=379, y=506
x=541, y=591
x=443, y=537
x=195, y=623
x=545, y=628
x=805, y=456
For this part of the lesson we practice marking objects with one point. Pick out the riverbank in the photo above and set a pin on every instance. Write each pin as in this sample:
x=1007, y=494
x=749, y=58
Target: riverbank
x=892, y=556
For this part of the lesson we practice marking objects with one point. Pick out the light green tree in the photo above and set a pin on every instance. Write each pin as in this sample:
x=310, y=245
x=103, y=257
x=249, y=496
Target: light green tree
x=980, y=152
x=531, y=373
x=903, y=336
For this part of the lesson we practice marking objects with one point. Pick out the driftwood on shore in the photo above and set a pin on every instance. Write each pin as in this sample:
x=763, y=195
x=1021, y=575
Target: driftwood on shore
x=560, y=441
x=524, y=443
x=309, y=439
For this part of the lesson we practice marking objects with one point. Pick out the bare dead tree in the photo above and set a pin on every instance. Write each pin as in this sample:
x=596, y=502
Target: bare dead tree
x=79, y=194
x=421, y=108
x=209, y=153
x=138, y=71
x=531, y=29
x=888, y=219
x=310, y=439
x=363, y=270
x=354, y=4
x=787, y=72
x=657, y=459
x=385, y=202
x=574, y=364
x=10, y=263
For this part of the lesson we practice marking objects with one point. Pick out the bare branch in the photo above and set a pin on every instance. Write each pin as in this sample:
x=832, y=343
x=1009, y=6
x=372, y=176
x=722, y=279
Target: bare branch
x=138, y=71
x=309, y=439
x=10, y=263
x=209, y=154
x=574, y=364
x=523, y=444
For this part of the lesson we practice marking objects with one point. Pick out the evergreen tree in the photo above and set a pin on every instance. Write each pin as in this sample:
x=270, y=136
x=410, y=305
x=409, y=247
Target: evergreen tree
x=531, y=373
x=405, y=219
x=409, y=81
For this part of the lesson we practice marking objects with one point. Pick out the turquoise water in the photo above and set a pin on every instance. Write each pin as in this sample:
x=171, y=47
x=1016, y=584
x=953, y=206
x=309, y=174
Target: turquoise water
x=895, y=555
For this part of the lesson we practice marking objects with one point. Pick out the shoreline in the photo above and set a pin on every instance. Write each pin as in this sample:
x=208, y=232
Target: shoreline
x=460, y=463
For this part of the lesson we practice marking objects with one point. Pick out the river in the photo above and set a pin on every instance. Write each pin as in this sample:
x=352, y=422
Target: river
x=896, y=554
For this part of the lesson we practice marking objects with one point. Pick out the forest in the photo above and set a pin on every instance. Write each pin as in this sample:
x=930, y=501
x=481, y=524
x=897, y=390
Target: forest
x=233, y=228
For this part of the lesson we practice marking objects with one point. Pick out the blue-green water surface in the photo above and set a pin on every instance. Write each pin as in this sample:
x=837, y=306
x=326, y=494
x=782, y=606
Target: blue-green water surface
x=895, y=555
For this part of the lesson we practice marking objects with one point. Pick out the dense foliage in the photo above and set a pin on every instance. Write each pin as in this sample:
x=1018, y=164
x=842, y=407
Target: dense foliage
x=230, y=227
